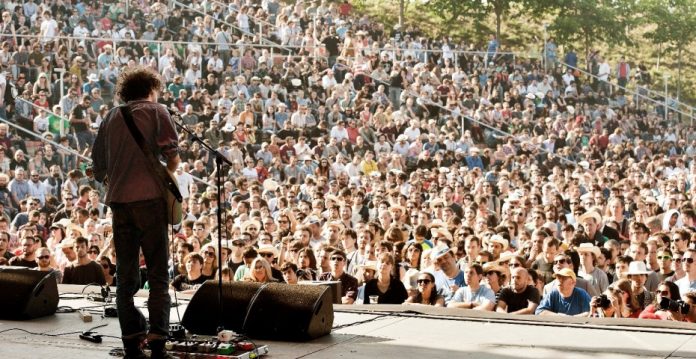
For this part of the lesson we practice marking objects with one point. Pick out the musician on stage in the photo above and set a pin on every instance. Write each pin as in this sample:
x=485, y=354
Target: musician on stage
x=138, y=206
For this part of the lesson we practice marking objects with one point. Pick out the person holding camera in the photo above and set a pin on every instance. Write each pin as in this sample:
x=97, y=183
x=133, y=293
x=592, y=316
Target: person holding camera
x=617, y=301
x=665, y=290
x=680, y=310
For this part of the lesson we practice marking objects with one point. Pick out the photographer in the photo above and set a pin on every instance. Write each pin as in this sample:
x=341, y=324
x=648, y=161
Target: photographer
x=666, y=289
x=616, y=302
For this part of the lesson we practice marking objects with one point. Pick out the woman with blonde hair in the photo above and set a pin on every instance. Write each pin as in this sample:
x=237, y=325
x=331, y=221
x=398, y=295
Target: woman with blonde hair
x=260, y=271
x=210, y=265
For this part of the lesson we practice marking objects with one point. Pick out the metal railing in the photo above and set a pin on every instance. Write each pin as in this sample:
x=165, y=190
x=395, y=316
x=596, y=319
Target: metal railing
x=262, y=39
x=665, y=103
x=471, y=119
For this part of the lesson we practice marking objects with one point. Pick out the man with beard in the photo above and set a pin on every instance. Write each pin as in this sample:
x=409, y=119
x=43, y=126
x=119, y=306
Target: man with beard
x=28, y=256
x=84, y=270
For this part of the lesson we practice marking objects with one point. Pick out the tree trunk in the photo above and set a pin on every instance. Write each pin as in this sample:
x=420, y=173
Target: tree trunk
x=498, y=16
x=402, y=9
x=679, y=72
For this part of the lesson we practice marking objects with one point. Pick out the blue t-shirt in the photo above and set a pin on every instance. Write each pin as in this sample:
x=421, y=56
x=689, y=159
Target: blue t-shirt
x=482, y=294
x=578, y=302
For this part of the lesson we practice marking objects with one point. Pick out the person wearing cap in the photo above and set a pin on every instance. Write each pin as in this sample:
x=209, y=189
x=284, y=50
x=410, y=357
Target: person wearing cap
x=474, y=295
x=349, y=284
x=588, y=270
x=688, y=282
x=447, y=263
x=566, y=299
x=564, y=260
x=520, y=297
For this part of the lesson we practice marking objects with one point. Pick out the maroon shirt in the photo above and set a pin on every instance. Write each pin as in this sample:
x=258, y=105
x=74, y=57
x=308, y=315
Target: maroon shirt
x=117, y=156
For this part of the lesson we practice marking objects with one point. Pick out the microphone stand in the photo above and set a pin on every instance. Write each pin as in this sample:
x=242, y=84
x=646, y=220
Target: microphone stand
x=220, y=161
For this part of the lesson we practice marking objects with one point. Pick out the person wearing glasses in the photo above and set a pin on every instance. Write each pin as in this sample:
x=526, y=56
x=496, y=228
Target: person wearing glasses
x=84, y=270
x=259, y=271
x=688, y=282
x=427, y=292
x=47, y=264
x=561, y=261
x=664, y=260
x=93, y=252
x=210, y=264
x=349, y=284
x=666, y=289
x=474, y=295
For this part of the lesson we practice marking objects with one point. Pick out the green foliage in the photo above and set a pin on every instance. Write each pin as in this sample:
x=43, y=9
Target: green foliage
x=588, y=21
x=674, y=21
x=453, y=10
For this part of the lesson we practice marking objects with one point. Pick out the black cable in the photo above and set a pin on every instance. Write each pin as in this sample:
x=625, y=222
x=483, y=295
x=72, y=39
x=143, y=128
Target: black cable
x=90, y=285
x=360, y=322
x=35, y=333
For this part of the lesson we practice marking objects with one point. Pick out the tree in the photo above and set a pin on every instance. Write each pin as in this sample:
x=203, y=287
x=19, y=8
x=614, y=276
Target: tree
x=673, y=24
x=455, y=10
x=588, y=21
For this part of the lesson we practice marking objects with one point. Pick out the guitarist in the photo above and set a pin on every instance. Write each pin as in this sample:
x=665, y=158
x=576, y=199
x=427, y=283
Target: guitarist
x=138, y=205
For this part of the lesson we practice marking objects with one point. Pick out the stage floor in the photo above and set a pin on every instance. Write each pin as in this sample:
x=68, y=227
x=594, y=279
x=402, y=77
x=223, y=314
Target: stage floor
x=391, y=332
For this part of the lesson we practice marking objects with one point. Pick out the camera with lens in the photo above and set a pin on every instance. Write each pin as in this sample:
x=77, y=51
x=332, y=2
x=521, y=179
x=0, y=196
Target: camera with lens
x=603, y=301
x=678, y=306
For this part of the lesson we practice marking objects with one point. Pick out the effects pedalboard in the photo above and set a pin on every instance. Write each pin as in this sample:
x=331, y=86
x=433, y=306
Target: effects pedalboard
x=226, y=345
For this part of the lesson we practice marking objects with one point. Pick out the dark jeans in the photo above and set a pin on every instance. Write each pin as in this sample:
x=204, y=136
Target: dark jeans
x=142, y=225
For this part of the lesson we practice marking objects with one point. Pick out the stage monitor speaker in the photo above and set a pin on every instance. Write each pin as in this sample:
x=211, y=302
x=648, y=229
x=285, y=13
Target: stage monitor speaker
x=202, y=311
x=335, y=286
x=27, y=293
x=269, y=311
x=290, y=312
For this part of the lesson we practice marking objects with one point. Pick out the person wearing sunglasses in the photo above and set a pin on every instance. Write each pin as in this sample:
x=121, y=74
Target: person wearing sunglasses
x=93, y=252
x=427, y=292
x=677, y=258
x=474, y=295
x=349, y=284
x=688, y=283
x=45, y=261
x=666, y=289
x=210, y=257
x=561, y=261
x=664, y=261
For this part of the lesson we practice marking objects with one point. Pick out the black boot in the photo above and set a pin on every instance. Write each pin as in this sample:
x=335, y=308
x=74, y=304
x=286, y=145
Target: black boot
x=133, y=348
x=157, y=350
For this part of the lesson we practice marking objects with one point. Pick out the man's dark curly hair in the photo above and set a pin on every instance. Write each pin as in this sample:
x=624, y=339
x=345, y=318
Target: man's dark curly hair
x=136, y=83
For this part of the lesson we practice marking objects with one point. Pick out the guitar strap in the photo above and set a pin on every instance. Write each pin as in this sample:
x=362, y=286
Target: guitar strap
x=154, y=163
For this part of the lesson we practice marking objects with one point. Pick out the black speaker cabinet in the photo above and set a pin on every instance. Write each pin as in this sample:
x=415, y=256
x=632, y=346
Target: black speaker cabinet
x=290, y=312
x=201, y=316
x=266, y=311
x=27, y=293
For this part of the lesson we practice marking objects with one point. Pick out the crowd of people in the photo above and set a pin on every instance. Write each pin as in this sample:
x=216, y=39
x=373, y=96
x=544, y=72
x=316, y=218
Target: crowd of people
x=412, y=170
